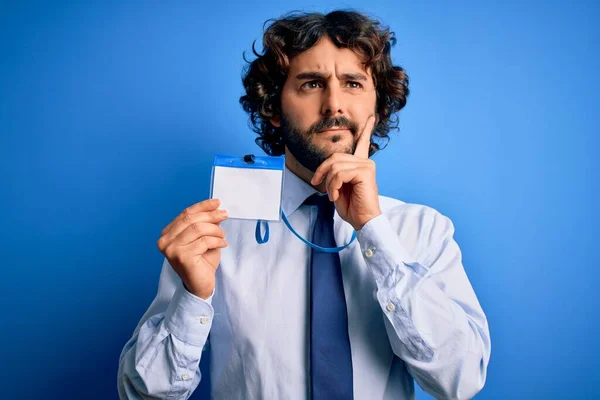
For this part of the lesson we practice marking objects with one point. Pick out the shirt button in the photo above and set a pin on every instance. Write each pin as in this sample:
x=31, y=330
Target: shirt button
x=204, y=320
x=369, y=252
x=185, y=377
x=390, y=307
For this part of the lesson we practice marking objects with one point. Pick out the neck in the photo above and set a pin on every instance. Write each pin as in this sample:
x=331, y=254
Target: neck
x=301, y=171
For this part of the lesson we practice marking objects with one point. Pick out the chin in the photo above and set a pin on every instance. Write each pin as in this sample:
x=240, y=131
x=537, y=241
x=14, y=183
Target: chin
x=345, y=148
x=329, y=146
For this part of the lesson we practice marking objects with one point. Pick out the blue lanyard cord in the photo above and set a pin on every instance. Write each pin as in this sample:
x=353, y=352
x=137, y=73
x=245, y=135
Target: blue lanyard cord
x=260, y=240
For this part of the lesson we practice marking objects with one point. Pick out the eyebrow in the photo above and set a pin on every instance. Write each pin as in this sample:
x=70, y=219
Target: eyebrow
x=319, y=75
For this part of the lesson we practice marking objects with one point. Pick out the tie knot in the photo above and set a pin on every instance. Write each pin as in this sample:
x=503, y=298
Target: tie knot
x=324, y=205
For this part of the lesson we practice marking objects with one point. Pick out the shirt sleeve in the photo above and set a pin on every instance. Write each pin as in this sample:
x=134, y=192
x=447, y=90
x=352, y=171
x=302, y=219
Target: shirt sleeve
x=161, y=360
x=433, y=318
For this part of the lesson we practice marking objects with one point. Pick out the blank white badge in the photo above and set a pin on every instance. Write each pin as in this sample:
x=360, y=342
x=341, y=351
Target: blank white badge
x=248, y=193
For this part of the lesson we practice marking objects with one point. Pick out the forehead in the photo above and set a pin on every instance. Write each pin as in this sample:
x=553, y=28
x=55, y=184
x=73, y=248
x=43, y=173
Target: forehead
x=326, y=56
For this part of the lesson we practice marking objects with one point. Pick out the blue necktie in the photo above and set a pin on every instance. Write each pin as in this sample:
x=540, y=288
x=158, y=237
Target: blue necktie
x=330, y=356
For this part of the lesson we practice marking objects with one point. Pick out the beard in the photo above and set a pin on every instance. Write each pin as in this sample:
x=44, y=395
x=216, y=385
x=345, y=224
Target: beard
x=298, y=141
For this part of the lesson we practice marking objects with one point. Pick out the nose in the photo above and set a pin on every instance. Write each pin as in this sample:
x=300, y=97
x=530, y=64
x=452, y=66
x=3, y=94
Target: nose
x=332, y=102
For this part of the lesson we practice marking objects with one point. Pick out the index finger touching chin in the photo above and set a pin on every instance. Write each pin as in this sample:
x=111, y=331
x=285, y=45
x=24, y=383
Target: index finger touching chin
x=364, y=141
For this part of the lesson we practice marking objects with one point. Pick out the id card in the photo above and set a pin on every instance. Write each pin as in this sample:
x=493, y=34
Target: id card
x=249, y=187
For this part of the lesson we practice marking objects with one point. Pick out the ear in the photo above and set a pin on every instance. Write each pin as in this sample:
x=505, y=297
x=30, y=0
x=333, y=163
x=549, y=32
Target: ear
x=276, y=122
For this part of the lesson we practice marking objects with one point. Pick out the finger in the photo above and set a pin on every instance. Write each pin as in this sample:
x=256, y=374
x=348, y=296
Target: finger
x=351, y=175
x=191, y=233
x=338, y=167
x=335, y=158
x=188, y=255
x=215, y=216
x=364, y=141
x=202, y=245
x=198, y=230
x=203, y=206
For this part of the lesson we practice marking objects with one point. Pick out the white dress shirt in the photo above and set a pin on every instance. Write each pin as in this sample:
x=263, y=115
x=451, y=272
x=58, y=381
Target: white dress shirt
x=412, y=313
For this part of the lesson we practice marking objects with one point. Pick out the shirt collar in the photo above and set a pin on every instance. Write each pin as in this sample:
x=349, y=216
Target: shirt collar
x=295, y=191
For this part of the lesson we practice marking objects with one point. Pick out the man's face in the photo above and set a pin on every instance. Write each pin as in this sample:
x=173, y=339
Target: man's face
x=326, y=101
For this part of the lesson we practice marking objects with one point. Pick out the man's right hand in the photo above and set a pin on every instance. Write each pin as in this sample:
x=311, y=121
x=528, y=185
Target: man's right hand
x=192, y=243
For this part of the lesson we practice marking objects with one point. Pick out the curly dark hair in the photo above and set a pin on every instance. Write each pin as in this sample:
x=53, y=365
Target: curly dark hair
x=294, y=33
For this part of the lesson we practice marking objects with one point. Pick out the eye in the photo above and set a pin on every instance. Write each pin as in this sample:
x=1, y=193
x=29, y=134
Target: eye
x=311, y=85
x=354, y=84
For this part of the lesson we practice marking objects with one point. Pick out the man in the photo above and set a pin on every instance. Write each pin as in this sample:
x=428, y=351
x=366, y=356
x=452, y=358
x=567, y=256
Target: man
x=234, y=319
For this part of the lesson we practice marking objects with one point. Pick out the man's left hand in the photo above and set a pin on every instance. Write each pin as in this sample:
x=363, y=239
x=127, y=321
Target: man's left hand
x=351, y=183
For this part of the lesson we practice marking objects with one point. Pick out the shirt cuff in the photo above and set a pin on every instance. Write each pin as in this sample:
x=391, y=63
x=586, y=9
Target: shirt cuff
x=383, y=251
x=189, y=318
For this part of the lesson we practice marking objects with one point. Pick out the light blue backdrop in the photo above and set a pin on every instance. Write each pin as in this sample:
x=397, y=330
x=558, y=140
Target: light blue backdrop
x=110, y=115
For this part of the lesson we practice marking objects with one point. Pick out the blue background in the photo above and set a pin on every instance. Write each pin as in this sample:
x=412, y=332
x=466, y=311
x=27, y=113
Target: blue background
x=110, y=115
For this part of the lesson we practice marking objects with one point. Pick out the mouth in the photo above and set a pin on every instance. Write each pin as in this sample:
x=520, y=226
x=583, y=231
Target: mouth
x=335, y=130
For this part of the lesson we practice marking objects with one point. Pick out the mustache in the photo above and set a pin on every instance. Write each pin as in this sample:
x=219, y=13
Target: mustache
x=330, y=123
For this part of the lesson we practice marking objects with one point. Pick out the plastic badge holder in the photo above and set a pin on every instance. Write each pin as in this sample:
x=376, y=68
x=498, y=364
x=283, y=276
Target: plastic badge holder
x=249, y=187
